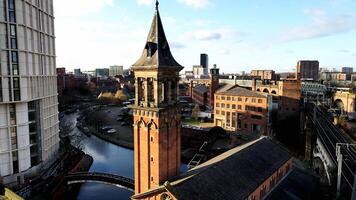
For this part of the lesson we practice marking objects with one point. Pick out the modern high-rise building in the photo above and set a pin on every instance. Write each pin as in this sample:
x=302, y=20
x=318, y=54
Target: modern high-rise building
x=308, y=70
x=29, y=125
x=204, y=62
x=116, y=70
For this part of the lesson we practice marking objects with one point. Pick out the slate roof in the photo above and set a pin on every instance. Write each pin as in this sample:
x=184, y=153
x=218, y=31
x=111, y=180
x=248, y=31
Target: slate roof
x=157, y=45
x=238, y=91
x=201, y=89
x=226, y=87
x=232, y=175
x=298, y=185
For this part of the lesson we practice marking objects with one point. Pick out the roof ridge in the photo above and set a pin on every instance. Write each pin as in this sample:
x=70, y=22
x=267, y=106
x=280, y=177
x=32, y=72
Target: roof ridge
x=204, y=166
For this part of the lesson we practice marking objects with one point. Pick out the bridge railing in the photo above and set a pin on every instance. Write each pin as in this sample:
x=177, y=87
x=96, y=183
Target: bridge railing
x=104, y=177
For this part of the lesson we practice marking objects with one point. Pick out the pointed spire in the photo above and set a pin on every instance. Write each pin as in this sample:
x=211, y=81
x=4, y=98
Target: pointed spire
x=157, y=4
x=157, y=53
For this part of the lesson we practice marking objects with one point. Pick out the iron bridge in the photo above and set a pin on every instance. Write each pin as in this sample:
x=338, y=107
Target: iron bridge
x=111, y=179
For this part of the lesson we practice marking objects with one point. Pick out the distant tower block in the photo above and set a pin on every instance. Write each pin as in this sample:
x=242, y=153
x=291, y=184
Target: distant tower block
x=156, y=112
x=204, y=62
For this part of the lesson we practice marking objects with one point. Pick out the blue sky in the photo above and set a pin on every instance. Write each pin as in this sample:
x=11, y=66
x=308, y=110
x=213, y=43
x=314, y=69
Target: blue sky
x=238, y=35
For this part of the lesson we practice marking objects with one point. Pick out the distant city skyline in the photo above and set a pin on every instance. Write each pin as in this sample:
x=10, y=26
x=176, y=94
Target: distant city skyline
x=237, y=36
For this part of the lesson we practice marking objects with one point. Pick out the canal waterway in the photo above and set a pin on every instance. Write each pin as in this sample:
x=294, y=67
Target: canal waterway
x=108, y=158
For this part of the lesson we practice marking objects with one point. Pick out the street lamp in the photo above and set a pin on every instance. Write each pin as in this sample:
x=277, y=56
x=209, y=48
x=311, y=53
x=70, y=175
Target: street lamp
x=339, y=165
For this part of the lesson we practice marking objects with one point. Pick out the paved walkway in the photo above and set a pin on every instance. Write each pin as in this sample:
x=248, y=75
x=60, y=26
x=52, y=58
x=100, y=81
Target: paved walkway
x=107, y=116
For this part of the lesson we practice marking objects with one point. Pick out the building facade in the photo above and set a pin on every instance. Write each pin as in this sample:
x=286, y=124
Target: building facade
x=239, y=109
x=116, y=70
x=202, y=90
x=308, y=70
x=259, y=166
x=198, y=71
x=334, y=76
x=264, y=74
x=347, y=70
x=28, y=88
x=156, y=112
x=200, y=95
x=353, y=77
x=102, y=73
x=290, y=95
x=77, y=72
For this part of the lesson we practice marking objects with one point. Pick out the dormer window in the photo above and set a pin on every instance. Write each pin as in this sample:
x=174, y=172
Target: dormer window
x=149, y=52
x=151, y=49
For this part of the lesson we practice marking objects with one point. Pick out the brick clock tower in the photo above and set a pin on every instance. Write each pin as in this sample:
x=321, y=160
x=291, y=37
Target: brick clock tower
x=156, y=112
x=214, y=84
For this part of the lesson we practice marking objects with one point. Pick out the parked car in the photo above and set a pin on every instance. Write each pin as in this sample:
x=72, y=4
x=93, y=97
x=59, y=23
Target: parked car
x=111, y=131
x=105, y=128
x=119, y=119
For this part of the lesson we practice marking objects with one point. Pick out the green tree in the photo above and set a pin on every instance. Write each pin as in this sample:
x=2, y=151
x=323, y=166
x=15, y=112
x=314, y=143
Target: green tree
x=121, y=96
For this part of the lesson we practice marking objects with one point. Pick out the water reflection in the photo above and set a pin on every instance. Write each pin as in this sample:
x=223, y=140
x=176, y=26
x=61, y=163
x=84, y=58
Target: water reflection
x=108, y=158
x=103, y=192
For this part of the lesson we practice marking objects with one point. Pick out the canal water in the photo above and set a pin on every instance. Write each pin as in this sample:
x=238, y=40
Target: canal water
x=108, y=158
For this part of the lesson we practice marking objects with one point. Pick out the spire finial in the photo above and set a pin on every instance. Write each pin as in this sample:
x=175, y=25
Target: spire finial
x=157, y=4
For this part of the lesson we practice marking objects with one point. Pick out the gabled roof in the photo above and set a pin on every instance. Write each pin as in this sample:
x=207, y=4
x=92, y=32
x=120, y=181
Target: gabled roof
x=298, y=184
x=232, y=175
x=238, y=91
x=157, y=54
x=226, y=88
x=201, y=89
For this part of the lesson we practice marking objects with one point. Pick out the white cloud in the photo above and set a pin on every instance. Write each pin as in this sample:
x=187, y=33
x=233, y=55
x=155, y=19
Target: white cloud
x=316, y=12
x=196, y=3
x=94, y=44
x=321, y=25
x=225, y=52
x=343, y=51
x=73, y=8
x=177, y=45
x=214, y=34
x=144, y=2
x=84, y=42
x=205, y=35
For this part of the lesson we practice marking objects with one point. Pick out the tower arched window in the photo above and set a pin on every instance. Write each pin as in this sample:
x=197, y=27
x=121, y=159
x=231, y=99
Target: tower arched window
x=141, y=90
x=150, y=90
